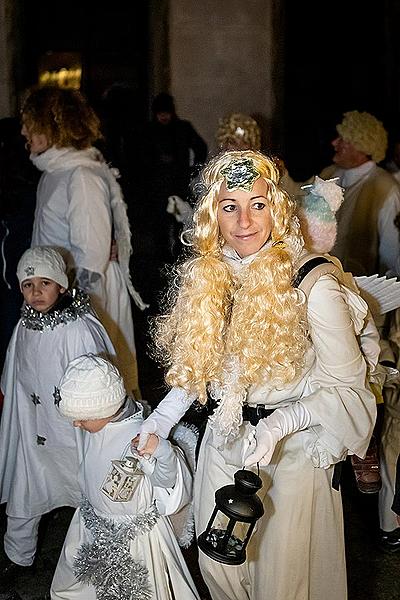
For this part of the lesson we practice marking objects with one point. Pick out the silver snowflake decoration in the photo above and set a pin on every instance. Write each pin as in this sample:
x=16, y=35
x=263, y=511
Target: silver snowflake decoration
x=240, y=174
x=29, y=271
x=35, y=399
x=56, y=396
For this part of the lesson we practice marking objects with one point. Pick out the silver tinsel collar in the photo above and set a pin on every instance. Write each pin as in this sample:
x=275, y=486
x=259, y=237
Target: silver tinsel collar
x=70, y=308
x=107, y=563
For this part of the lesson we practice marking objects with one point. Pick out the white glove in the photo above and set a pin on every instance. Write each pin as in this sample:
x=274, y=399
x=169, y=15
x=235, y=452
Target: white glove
x=181, y=209
x=268, y=432
x=170, y=410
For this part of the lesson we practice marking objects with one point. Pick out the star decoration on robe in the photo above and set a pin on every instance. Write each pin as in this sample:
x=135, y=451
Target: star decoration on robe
x=240, y=174
x=40, y=440
x=56, y=396
x=35, y=399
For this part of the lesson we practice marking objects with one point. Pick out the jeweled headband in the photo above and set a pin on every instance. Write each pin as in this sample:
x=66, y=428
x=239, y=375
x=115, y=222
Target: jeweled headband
x=240, y=175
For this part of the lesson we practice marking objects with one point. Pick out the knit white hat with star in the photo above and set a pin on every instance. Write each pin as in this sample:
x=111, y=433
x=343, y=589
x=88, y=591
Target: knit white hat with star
x=91, y=388
x=42, y=261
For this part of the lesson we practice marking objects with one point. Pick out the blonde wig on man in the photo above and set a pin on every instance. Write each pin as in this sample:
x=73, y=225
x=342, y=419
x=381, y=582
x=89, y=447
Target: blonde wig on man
x=254, y=316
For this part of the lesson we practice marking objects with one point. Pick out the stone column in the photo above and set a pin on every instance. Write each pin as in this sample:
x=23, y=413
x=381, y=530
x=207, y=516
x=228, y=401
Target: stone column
x=225, y=56
x=8, y=58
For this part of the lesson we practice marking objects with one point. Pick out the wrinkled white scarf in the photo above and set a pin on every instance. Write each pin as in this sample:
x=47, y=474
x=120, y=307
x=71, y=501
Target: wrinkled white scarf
x=69, y=158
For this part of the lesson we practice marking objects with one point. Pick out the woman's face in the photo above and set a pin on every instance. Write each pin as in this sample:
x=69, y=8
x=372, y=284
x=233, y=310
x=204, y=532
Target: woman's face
x=244, y=218
x=35, y=142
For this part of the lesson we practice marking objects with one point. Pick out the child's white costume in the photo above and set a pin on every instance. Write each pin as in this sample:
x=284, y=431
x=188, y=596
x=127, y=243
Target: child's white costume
x=125, y=550
x=38, y=455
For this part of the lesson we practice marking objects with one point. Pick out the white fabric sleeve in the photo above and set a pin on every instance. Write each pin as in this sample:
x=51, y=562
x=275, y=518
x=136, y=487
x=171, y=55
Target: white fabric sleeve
x=337, y=395
x=89, y=219
x=168, y=412
x=389, y=237
x=163, y=462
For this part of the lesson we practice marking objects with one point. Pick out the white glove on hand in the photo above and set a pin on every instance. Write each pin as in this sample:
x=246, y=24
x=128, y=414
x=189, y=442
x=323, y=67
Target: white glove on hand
x=170, y=410
x=268, y=432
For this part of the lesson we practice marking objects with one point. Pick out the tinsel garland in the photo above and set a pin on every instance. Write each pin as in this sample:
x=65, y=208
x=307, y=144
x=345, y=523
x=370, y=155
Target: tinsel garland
x=107, y=563
x=78, y=305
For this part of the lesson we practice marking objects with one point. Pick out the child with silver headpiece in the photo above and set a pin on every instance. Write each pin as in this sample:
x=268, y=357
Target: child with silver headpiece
x=120, y=543
x=38, y=452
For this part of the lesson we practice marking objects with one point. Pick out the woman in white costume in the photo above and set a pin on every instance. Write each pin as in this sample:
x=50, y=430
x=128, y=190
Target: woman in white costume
x=239, y=331
x=38, y=449
x=80, y=210
x=120, y=544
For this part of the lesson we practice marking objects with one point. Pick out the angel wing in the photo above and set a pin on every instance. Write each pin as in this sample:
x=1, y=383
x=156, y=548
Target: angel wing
x=381, y=293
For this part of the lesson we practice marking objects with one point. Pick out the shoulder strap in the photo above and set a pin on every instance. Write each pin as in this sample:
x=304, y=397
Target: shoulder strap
x=311, y=270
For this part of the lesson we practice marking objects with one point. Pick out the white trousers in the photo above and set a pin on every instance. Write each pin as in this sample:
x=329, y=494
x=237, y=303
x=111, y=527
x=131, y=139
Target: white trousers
x=20, y=539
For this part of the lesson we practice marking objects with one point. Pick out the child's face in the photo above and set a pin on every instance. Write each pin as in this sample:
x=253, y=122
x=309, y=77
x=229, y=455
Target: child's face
x=92, y=425
x=41, y=293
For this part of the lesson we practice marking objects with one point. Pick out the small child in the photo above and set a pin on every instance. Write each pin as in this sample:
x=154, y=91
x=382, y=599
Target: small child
x=38, y=450
x=120, y=544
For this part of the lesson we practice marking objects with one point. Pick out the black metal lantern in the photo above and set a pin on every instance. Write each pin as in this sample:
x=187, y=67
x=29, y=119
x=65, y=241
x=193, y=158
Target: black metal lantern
x=237, y=509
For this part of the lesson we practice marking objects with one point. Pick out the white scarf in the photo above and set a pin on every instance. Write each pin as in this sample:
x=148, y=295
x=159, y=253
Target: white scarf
x=65, y=159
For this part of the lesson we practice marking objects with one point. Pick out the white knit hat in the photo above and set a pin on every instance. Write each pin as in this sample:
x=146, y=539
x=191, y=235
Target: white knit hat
x=42, y=261
x=91, y=388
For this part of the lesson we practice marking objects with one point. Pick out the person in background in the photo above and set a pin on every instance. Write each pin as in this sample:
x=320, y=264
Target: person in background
x=368, y=242
x=285, y=378
x=120, y=542
x=18, y=183
x=38, y=449
x=238, y=131
x=172, y=151
x=80, y=210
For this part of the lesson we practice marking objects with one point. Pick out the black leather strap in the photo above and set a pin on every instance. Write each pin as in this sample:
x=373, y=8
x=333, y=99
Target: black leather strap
x=307, y=268
x=255, y=413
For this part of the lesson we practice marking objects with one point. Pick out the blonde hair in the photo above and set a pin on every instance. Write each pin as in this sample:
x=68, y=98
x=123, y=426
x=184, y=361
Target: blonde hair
x=237, y=131
x=365, y=132
x=214, y=313
x=63, y=115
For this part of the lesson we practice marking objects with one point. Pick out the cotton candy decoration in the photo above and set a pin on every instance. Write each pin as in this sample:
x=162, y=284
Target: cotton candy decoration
x=316, y=211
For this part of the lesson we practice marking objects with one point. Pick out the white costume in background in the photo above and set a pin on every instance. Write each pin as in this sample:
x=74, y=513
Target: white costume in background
x=164, y=489
x=80, y=210
x=368, y=242
x=297, y=550
x=38, y=451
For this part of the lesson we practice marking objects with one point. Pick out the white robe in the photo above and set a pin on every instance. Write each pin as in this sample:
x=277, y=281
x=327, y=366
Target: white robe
x=75, y=212
x=157, y=549
x=38, y=447
x=297, y=550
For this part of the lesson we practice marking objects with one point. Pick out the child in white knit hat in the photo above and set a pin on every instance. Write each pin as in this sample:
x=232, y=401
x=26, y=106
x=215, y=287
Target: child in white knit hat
x=120, y=544
x=38, y=451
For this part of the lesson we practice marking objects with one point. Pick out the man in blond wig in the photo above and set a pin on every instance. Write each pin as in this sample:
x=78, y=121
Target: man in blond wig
x=368, y=242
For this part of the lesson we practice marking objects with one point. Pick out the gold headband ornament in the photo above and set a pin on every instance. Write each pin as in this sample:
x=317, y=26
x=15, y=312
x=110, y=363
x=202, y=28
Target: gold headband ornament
x=240, y=175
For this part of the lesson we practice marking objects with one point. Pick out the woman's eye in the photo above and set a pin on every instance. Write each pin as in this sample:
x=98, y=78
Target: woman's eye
x=229, y=207
x=259, y=205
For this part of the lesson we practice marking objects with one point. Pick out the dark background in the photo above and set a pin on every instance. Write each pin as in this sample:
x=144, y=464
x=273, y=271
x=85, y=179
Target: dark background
x=338, y=56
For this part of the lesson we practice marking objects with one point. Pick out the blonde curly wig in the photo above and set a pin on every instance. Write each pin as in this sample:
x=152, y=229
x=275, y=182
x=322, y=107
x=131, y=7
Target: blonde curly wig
x=215, y=314
x=238, y=131
x=365, y=132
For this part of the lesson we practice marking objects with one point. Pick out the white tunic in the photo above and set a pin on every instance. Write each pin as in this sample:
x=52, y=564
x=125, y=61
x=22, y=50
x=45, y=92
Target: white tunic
x=75, y=212
x=38, y=447
x=157, y=549
x=297, y=551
